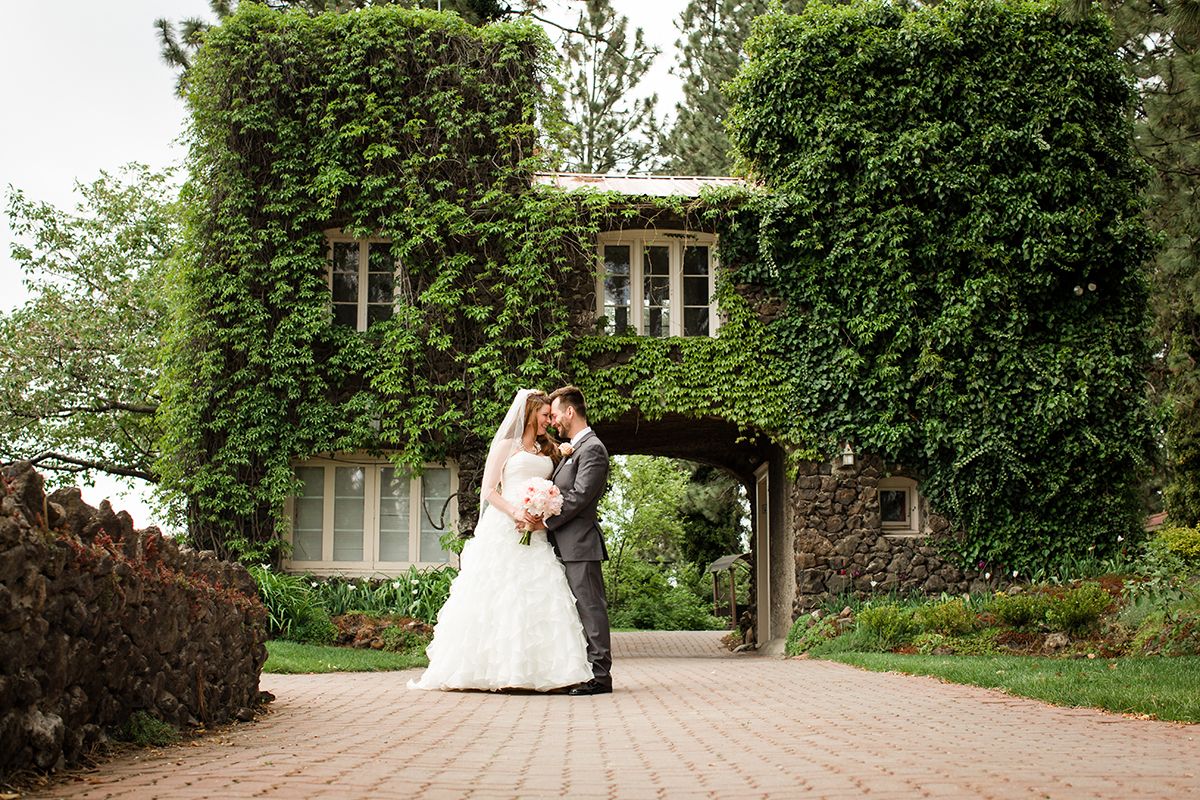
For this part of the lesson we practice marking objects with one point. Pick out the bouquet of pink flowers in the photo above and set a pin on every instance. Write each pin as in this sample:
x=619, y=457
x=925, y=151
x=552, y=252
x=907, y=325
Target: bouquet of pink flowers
x=542, y=498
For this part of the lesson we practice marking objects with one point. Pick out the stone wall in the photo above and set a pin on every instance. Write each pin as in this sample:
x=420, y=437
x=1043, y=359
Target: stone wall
x=98, y=620
x=841, y=546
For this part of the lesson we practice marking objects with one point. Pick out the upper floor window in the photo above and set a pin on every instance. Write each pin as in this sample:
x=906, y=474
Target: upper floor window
x=658, y=284
x=358, y=515
x=899, y=507
x=362, y=279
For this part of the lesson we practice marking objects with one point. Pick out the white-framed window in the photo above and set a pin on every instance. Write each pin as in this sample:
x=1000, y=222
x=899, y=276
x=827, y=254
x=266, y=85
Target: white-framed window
x=658, y=283
x=363, y=279
x=360, y=515
x=899, y=506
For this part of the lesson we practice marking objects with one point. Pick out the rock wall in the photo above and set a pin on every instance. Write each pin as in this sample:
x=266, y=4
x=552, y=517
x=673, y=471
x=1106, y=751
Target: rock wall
x=98, y=620
x=842, y=547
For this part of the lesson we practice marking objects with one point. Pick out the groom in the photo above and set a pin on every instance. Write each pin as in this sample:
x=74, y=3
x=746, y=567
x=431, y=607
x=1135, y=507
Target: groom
x=582, y=477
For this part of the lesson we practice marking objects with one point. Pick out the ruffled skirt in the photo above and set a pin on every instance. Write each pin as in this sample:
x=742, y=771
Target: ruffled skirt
x=510, y=621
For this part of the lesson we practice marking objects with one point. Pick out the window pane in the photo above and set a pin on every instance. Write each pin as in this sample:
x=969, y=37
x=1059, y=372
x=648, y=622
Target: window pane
x=695, y=291
x=393, y=515
x=379, y=288
x=382, y=273
x=345, y=272
x=656, y=298
x=349, y=494
x=893, y=505
x=616, y=287
x=696, y=297
x=695, y=260
x=435, y=484
x=346, y=314
x=309, y=514
x=695, y=321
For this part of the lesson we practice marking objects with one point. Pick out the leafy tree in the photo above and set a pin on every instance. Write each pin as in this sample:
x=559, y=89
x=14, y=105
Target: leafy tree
x=641, y=518
x=78, y=362
x=606, y=129
x=711, y=53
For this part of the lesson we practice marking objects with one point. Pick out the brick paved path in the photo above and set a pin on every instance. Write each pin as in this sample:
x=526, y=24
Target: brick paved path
x=688, y=720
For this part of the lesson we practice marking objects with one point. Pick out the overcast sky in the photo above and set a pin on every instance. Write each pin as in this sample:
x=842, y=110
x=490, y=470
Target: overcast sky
x=87, y=91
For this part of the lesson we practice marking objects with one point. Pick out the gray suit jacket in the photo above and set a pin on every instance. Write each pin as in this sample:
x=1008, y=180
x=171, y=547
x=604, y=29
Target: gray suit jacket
x=582, y=477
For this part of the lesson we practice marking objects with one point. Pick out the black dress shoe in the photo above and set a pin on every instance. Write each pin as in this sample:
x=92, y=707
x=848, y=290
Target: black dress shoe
x=591, y=687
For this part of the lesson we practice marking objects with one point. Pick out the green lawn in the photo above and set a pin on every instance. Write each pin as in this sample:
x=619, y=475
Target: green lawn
x=1165, y=688
x=291, y=658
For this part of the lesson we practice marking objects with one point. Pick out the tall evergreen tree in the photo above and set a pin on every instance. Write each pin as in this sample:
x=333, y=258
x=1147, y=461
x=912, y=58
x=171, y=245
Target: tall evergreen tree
x=606, y=128
x=715, y=32
x=1158, y=41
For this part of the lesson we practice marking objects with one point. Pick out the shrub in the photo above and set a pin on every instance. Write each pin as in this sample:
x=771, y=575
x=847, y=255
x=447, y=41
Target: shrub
x=419, y=594
x=1079, y=609
x=948, y=617
x=401, y=640
x=1020, y=610
x=891, y=624
x=311, y=625
x=803, y=636
x=678, y=609
x=1184, y=543
x=292, y=609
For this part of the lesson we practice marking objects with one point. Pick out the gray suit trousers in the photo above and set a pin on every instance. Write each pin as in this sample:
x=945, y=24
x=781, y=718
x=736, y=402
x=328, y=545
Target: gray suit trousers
x=587, y=584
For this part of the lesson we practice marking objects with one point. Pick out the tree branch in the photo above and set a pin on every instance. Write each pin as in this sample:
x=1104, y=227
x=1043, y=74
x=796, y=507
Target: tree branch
x=80, y=464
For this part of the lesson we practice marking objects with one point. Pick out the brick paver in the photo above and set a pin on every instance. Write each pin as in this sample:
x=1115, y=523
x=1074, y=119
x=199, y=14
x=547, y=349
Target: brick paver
x=687, y=720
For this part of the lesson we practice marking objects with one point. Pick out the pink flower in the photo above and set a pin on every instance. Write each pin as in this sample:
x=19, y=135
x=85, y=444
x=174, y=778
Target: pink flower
x=542, y=498
x=566, y=449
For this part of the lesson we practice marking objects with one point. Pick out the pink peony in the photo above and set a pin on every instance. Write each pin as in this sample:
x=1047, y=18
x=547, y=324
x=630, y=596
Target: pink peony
x=540, y=497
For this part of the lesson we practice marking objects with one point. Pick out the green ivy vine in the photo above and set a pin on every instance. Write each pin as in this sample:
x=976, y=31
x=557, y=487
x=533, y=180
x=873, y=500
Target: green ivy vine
x=953, y=217
x=937, y=185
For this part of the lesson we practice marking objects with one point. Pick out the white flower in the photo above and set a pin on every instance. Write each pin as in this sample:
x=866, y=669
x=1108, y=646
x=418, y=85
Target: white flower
x=1014, y=573
x=1120, y=538
x=314, y=584
x=414, y=581
x=395, y=584
x=987, y=576
x=873, y=583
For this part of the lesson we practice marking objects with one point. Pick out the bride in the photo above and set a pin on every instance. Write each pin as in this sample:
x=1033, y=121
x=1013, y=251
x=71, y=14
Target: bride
x=510, y=621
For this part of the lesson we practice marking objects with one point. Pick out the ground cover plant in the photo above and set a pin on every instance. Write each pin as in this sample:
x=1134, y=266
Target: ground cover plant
x=1126, y=643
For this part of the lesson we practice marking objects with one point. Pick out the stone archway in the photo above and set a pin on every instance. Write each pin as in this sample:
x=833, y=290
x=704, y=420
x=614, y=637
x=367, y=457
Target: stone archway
x=720, y=443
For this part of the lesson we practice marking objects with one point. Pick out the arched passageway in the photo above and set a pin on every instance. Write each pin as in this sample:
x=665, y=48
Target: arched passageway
x=758, y=465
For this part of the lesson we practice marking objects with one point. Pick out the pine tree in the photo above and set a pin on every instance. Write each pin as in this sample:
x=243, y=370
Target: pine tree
x=605, y=130
x=1158, y=41
x=715, y=33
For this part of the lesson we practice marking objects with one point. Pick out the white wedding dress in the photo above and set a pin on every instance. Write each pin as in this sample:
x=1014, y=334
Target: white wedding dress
x=510, y=621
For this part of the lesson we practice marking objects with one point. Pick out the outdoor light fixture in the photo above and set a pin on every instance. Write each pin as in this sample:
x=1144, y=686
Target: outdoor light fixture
x=847, y=455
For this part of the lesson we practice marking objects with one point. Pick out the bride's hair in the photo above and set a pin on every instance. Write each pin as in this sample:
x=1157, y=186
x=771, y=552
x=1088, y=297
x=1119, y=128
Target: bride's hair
x=549, y=445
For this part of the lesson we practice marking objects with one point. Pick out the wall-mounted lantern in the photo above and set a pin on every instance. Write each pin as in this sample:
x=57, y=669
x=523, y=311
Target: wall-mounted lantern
x=847, y=455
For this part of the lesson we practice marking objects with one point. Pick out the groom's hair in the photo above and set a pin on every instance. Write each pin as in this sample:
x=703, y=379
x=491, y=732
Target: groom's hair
x=571, y=396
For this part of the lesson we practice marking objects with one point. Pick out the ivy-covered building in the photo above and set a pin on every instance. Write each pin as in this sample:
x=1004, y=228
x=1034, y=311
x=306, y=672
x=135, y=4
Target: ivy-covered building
x=915, y=336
